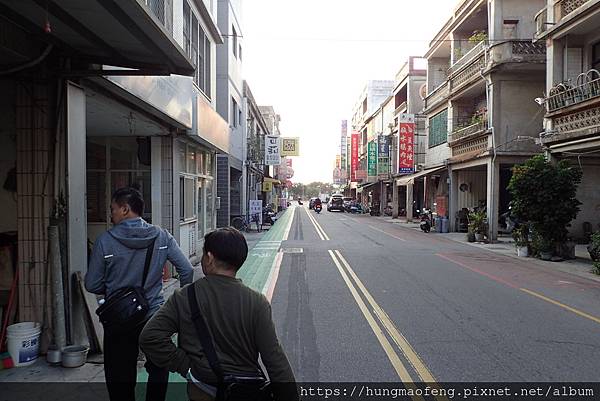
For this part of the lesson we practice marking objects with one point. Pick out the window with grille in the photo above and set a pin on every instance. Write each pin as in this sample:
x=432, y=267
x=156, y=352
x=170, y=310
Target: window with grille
x=197, y=46
x=438, y=129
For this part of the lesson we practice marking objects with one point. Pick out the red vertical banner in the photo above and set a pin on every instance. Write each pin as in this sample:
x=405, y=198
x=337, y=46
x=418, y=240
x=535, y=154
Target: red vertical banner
x=353, y=155
x=406, y=144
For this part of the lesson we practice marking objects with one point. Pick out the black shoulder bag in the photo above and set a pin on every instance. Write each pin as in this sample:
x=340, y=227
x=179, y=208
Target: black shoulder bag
x=229, y=387
x=126, y=308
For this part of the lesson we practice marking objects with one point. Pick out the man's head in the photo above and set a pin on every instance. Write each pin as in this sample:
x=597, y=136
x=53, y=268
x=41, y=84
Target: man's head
x=225, y=251
x=126, y=203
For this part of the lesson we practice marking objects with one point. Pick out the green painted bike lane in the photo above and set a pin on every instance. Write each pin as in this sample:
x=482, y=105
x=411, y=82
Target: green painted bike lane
x=256, y=273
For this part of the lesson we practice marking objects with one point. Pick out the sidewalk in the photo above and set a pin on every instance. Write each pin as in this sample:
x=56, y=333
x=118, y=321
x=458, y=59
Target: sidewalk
x=580, y=266
x=255, y=273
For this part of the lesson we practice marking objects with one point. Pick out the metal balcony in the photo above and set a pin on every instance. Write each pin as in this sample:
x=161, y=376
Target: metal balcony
x=563, y=95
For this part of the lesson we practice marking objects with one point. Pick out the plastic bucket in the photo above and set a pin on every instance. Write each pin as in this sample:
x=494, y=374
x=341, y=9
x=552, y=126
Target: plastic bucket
x=24, y=342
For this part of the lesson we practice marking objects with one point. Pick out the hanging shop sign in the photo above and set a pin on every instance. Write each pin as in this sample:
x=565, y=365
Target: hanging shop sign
x=372, y=159
x=383, y=156
x=353, y=155
x=272, y=151
x=290, y=146
x=406, y=144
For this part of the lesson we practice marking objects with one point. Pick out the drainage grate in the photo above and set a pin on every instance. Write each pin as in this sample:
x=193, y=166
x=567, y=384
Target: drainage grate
x=292, y=250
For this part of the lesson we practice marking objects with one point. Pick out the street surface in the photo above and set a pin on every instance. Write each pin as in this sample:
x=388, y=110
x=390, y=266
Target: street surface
x=361, y=300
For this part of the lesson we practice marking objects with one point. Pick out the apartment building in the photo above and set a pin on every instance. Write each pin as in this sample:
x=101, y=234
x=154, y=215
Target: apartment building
x=570, y=31
x=98, y=97
x=364, y=125
x=483, y=75
x=230, y=106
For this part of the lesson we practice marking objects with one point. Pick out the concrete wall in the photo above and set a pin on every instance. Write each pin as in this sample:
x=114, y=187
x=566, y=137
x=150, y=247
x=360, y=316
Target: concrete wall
x=8, y=155
x=477, y=182
x=415, y=102
x=523, y=11
x=514, y=111
x=437, y=72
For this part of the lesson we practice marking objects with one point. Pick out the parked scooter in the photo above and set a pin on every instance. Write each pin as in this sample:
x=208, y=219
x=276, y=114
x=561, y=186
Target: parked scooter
x=269, y=216
x=426, y=219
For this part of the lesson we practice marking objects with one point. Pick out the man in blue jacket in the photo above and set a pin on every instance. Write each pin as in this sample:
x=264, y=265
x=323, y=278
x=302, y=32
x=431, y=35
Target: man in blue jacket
x=117, y=261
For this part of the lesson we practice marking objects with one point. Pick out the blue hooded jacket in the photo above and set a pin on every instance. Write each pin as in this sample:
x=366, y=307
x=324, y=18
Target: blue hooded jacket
x=118, y=257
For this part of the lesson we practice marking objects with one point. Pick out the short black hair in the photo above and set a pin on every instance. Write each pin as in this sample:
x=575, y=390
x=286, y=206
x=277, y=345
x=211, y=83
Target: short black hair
x=228, y=245
x=131, y=197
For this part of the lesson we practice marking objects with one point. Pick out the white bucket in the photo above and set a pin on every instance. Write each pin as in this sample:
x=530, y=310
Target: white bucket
x=24, y=342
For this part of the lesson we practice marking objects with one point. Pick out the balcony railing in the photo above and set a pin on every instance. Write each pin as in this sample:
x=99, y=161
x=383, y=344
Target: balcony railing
x=478, y=145
x=469, y=130
x=400, y=108
x=562, y=8
x=467, y=73
x=438, y=94
x=518, y=51
x=563, y=95
x=468, y=57
x=577, y=123
x=541, y=21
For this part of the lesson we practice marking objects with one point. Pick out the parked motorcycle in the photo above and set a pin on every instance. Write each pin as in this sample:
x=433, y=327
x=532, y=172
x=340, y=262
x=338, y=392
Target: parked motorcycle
x=426, y=219
x=269, y=215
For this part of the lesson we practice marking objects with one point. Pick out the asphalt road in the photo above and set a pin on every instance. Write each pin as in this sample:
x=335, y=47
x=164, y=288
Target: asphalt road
x=370, y=301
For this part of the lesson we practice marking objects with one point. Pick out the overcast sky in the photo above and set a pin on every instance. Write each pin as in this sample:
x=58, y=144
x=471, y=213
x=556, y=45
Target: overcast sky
x=310, y=60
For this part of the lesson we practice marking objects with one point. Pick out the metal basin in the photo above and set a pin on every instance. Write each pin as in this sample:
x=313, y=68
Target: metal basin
x=74, y=356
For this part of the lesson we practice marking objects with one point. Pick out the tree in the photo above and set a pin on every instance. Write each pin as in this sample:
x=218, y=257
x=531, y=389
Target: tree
x=544, y=194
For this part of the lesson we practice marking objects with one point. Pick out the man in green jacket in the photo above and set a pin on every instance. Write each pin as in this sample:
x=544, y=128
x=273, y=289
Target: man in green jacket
x=238, y=318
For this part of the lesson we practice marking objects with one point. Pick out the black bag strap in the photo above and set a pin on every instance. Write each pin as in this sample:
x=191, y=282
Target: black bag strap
x=149, y=252
x=204, y=335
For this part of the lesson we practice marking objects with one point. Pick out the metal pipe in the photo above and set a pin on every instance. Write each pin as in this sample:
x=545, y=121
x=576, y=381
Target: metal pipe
x=58, y=311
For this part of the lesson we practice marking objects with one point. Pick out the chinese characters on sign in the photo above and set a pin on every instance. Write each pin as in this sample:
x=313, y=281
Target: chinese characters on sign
x=383, y=154
x=406, y=144
x=353, y=155
x=344, y=147
x=290, y=146
x=372, y=159
x=272, y=154
x=255, y=209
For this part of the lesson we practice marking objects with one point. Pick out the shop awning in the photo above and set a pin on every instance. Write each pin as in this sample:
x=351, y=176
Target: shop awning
x=361, y=188
x=123, y=33
x=410, y=179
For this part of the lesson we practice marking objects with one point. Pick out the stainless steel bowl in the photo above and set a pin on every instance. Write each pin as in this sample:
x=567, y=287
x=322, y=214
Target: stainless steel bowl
x=74, y=356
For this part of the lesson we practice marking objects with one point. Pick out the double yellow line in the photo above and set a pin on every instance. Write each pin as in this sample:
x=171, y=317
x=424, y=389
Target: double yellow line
x=322, y=234
x=379, y=321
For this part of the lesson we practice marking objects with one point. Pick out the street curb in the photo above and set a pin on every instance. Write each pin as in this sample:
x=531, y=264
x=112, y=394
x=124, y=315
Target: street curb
x=534, y=262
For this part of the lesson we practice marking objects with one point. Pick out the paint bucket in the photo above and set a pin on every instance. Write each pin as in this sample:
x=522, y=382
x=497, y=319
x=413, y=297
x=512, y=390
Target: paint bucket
x=24, y=342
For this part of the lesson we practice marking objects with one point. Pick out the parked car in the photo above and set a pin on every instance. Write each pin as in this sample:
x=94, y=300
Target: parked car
x=335, y=203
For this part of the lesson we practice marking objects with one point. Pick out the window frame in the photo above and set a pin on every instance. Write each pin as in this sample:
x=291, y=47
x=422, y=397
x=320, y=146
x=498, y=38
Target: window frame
x=436, y=136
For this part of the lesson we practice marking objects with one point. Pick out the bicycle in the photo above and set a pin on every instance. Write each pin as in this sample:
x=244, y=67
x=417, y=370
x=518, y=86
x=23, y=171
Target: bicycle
x=240, y=223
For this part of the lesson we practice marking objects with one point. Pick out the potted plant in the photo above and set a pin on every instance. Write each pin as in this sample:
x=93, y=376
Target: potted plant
x=478, y=36
x=477, y=224
x=470, y=235
x=521, y=237
x=594, y=246
x=545, y=247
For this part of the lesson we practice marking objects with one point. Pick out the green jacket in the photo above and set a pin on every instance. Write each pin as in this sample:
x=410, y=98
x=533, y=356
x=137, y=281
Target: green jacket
x=240, y=321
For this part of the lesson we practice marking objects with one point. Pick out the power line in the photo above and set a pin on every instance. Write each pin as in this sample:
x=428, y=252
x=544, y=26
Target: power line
x=433, y=42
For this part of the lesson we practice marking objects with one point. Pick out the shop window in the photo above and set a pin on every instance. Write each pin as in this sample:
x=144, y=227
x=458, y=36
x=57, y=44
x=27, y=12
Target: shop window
x=125, y=154
x=96, y=153
x=209, y=204
x=191, y=161
x=96, y=196
x=200, y=202
x=187, y=198
x=200, y=162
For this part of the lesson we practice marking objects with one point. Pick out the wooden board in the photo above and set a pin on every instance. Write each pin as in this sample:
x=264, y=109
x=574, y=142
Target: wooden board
x=93, y=325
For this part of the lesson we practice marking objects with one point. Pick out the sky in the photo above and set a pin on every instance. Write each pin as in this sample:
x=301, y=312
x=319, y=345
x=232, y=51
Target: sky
x=311, y=59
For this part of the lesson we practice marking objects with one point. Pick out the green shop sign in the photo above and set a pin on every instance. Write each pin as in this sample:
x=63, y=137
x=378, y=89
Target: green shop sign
x=372, y=159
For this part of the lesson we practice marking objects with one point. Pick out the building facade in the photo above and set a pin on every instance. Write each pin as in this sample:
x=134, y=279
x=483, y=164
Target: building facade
x=569, y=30
x=483, y=75
x=230, y=99
x=92, y=106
